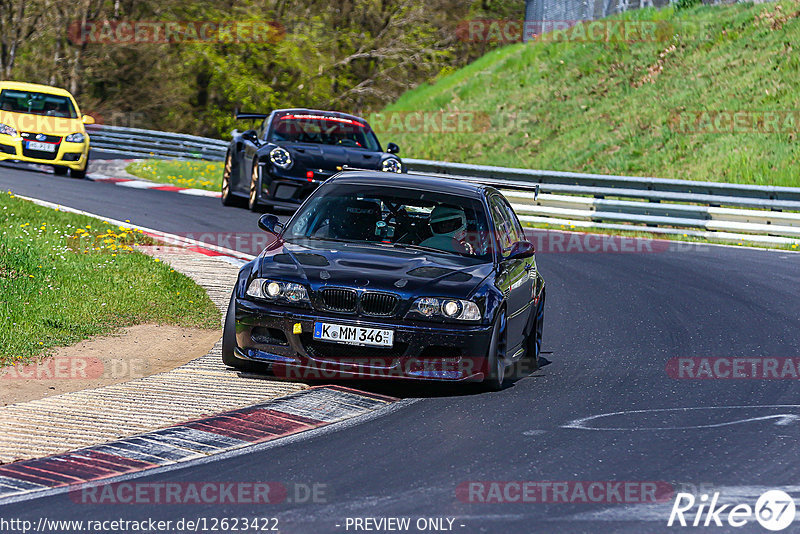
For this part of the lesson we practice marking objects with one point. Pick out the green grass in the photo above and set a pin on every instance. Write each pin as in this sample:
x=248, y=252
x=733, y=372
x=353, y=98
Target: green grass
x=597, y=107
x=193, y=174
x=66, y=277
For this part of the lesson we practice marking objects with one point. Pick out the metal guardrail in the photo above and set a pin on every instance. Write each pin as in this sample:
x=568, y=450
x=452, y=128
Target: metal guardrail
x=152, y=144
x=732, y=212
x=608, y=184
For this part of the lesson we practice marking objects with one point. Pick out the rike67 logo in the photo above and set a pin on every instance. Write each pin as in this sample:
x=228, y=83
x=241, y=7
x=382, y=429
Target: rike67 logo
x=774, y=510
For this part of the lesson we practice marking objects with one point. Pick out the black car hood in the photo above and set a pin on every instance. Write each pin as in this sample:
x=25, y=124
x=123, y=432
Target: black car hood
x=331, y=157
x=410, y=272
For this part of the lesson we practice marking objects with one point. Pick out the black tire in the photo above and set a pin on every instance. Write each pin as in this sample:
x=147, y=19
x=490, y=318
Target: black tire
x=534, y=348
x=495, y=366
x=80, y=175
x=229, y=340
x=255, y=185
x=227, y=196
x=59, y=170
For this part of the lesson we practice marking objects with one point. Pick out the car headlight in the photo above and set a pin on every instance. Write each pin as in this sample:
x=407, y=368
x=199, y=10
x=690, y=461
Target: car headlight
x=277, y=291
x=7, y=130
x=438, y=308
x=281, y=158
x=391, y=165
x=76, y=137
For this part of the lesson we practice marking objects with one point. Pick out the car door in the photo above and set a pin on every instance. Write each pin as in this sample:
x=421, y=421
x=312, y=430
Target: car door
x=515, y=274
x=247, y=154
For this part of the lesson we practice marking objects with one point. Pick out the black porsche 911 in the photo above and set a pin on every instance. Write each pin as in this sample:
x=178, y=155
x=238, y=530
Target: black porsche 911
x=398, y=276
x=293, y=151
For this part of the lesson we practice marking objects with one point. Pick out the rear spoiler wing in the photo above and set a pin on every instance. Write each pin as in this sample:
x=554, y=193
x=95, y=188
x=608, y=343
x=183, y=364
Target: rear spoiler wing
x=243, y=116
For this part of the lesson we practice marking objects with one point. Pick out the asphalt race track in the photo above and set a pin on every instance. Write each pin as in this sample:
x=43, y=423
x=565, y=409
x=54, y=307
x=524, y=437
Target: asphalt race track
x=613, y=321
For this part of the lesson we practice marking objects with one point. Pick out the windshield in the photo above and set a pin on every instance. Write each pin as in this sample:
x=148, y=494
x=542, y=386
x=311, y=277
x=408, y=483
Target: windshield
x=324, y=130
x=37, y=103
x=394, y=217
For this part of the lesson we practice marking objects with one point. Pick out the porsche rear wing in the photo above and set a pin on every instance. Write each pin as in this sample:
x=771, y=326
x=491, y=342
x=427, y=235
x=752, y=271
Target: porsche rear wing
x=244, y=116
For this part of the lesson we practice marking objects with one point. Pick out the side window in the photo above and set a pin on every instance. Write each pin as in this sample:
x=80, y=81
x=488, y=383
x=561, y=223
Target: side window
x=517, y=233
x=502, y=224
x=263, y=129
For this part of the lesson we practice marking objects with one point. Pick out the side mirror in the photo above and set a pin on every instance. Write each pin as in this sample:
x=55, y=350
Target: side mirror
x=87, y=119
x=269, y=223
x=392, y=148
x=521, y=250
x=250, y=135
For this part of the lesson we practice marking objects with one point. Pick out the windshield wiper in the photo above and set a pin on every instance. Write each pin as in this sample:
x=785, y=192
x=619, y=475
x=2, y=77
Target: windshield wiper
x=418, y=247
x=407, y=246
x=334, y=239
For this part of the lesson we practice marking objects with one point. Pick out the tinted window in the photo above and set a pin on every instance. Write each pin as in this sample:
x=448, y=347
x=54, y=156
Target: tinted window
x=503, y=226
x=517, y=233
x=324, y=130
x=37, y=104
x=396, y=217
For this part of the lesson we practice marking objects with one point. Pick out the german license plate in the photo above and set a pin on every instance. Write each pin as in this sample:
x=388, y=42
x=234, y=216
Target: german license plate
x=44, y=147
x=354, y=335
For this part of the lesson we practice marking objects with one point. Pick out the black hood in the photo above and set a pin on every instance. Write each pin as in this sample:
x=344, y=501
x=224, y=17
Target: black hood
x=331, y=157
x=408, y=272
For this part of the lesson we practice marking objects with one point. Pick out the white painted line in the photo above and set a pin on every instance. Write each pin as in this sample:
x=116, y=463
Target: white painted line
x=21, y=485
x=139, y=184
x=200, y=193
x=782, y=419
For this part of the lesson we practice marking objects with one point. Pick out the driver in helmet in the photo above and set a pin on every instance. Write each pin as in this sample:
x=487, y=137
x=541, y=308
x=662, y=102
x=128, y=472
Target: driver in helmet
x=449, y=227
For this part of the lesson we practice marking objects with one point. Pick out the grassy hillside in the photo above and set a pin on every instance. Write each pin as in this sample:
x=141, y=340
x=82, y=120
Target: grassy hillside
x=608, y=107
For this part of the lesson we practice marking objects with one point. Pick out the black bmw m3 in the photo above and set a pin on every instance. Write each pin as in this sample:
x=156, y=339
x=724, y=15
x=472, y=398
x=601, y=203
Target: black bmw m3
x=392, y=276
x=292, y=151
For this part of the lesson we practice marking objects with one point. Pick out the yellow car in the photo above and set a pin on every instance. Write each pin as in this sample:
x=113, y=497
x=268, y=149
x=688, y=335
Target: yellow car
x=42, y=124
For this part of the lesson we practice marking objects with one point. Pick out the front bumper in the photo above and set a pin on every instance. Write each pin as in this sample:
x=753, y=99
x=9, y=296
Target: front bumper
x=70, y=155
x=429, y=351
x=283, y=189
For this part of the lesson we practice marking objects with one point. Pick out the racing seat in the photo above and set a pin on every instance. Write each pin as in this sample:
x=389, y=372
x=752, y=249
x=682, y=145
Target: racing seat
x=355, y=219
